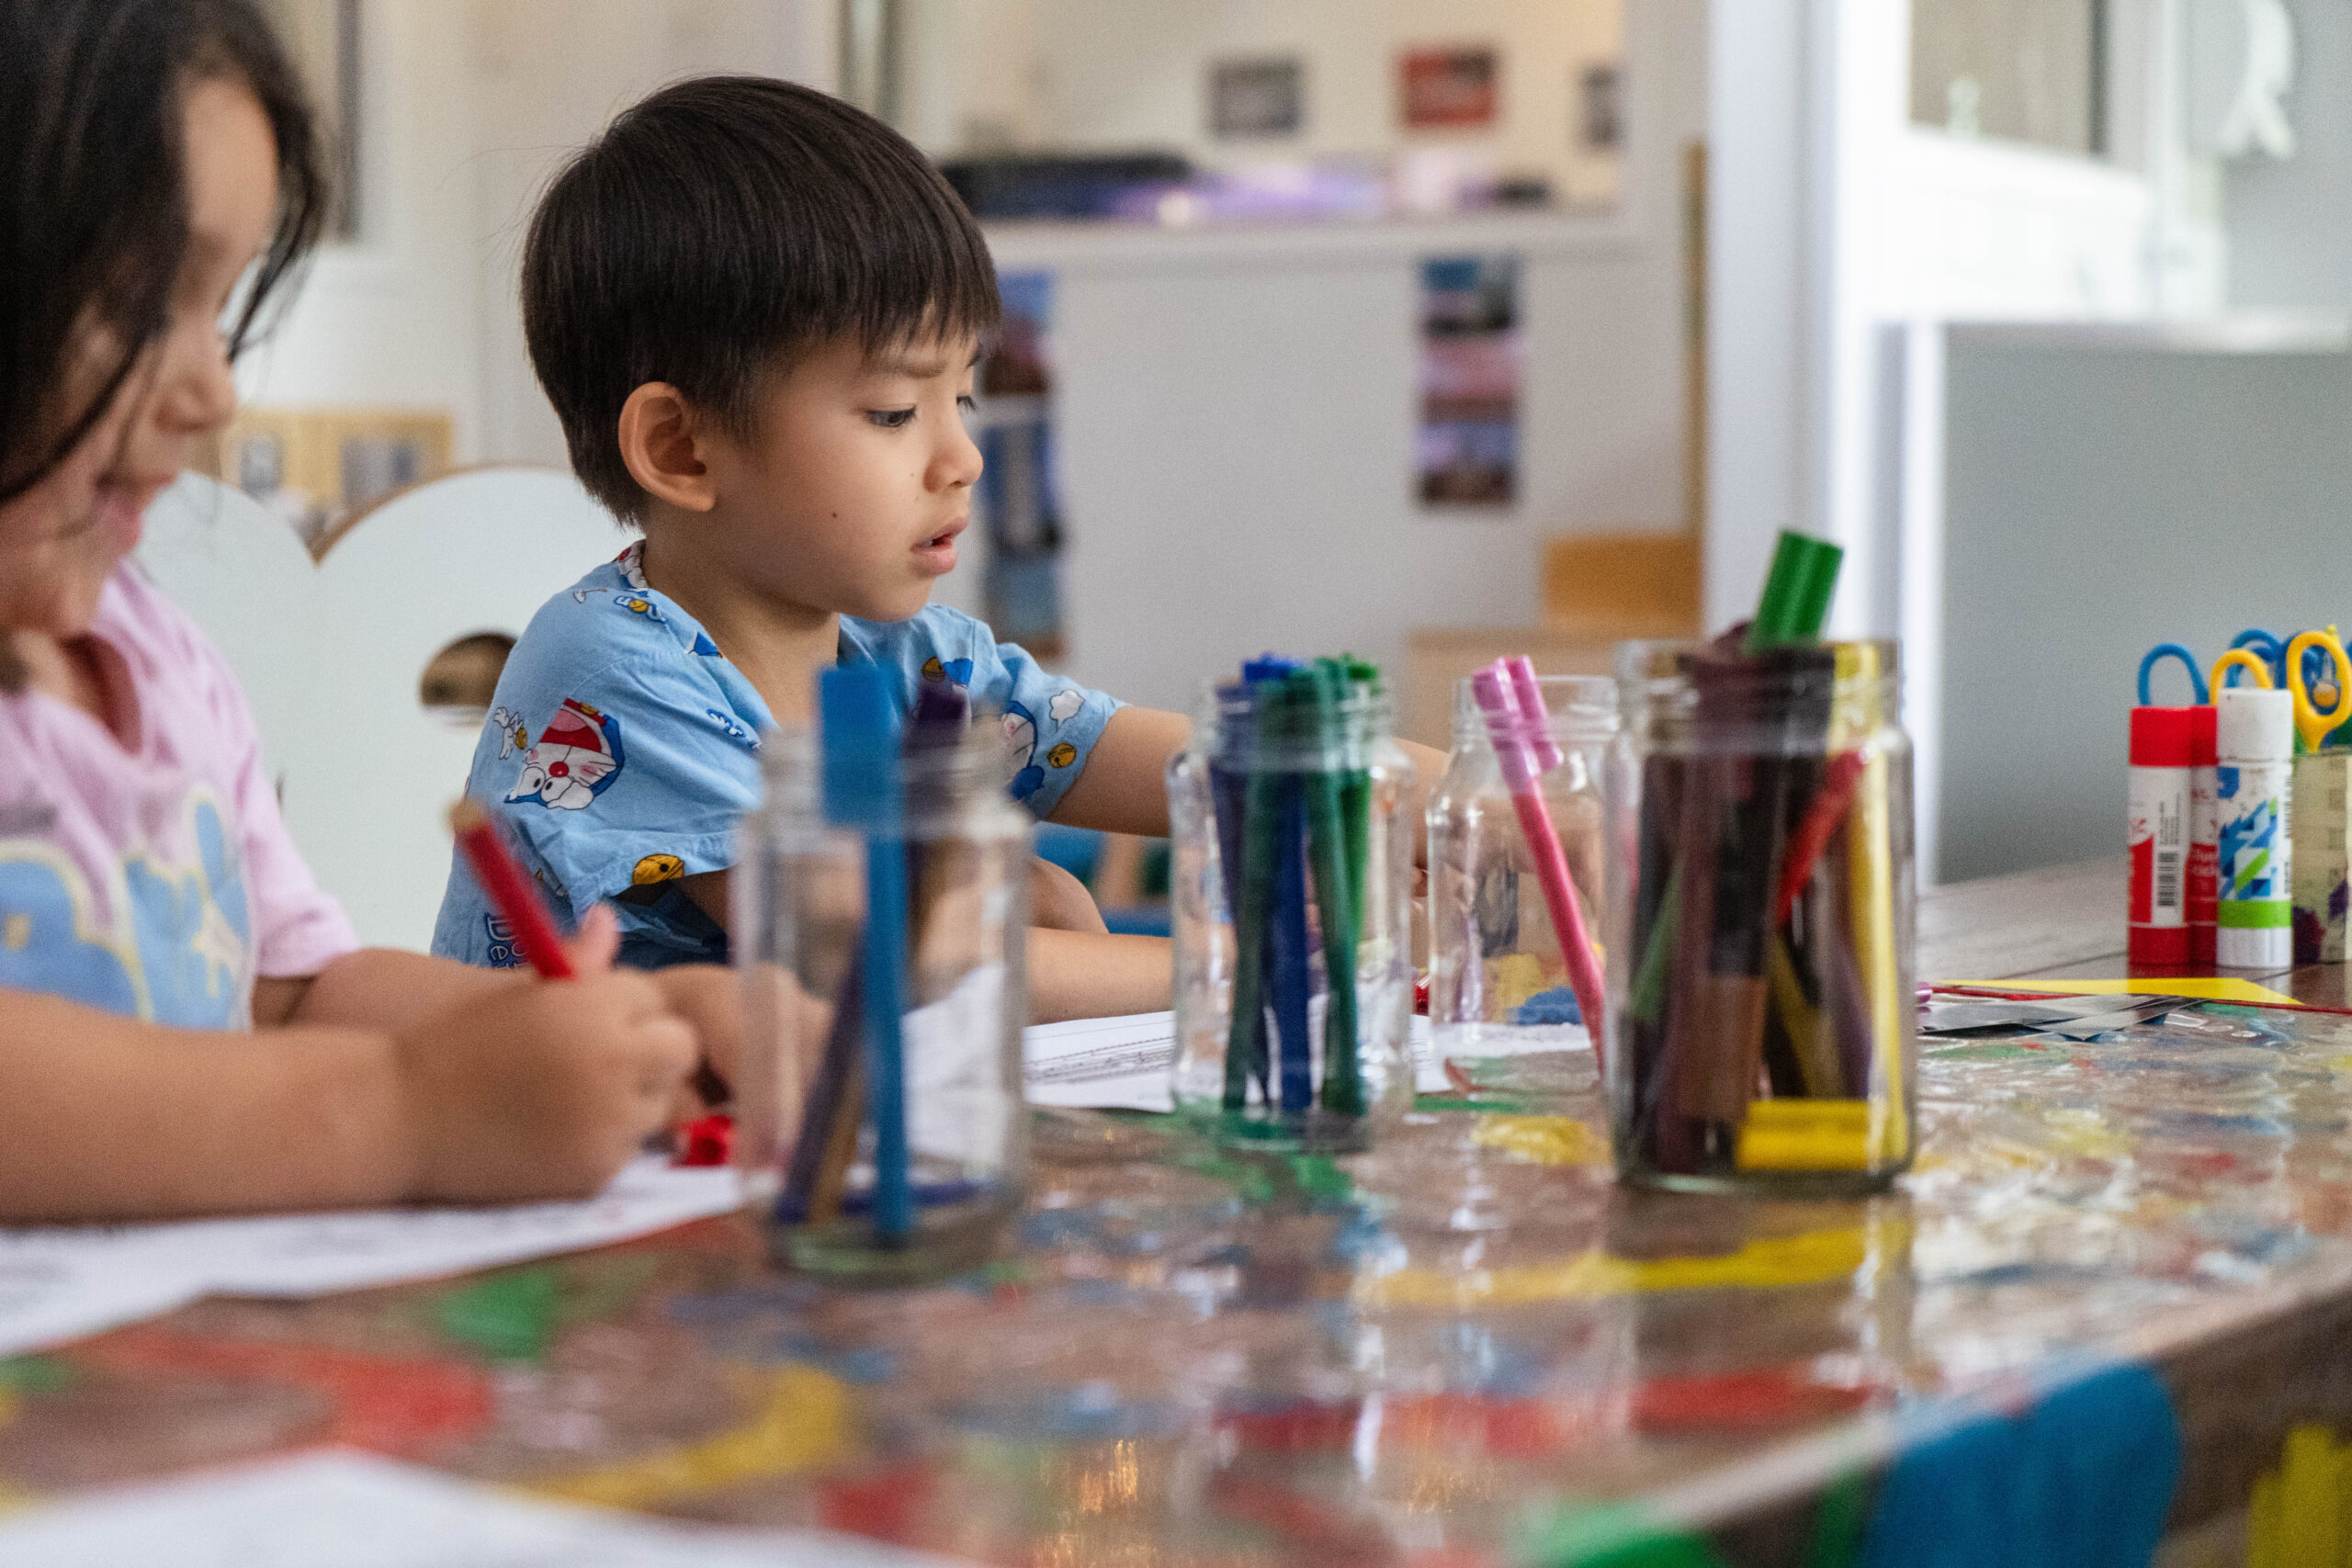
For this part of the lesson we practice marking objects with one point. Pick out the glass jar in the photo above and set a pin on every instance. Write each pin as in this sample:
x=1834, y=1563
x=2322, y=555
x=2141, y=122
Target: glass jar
x=1293, y=845
x=1762, y=1027
x=850, y=1176
x=1499, y=983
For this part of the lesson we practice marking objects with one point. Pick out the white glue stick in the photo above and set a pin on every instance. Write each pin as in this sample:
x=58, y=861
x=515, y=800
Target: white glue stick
x=2253, y=780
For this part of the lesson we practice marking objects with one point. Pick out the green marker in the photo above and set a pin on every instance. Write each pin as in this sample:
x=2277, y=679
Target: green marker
x=1797, y=591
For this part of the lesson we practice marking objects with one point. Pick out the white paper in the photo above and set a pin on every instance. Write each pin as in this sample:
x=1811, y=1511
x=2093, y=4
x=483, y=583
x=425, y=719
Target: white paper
x=1128, y=1063
x=62, y=1283
x=355, y=1510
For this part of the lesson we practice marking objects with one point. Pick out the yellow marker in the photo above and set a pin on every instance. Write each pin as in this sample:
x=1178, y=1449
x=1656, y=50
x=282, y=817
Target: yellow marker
x=1805, y=1134
x=2200, y=987
x=802, y=1422
x=1809, y=1258
x=2243, y=658
x=1816, y=1059
x=1869, y=854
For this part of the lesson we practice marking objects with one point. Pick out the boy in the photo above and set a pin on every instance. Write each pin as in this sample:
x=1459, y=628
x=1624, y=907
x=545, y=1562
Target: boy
x=757, y=312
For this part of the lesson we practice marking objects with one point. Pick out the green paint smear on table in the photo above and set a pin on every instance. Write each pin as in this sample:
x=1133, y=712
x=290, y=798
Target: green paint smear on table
x=1508, y=1104
x=1999, y=1054
x=34, y=1374
x=508, y=1316
x=1838, y=1524
x=1319, y=1177
x=1614, y=1535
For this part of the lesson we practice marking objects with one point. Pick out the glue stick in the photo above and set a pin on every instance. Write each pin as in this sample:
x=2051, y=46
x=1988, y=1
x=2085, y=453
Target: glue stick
x=2158, y=835
x=2252, y=779
x=2204, y=835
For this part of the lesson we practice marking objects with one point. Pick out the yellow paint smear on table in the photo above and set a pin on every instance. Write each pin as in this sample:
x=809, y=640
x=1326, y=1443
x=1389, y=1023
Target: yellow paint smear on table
x=802, y=1422
x=2203, y=988
x=1546, y=1140
x=1809, y=1258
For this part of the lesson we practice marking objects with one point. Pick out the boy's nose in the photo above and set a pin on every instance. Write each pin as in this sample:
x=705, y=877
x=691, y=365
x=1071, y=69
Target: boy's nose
x=959, y=464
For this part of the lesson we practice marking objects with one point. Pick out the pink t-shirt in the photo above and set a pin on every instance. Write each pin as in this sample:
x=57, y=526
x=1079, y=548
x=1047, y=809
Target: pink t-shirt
x=155, y=881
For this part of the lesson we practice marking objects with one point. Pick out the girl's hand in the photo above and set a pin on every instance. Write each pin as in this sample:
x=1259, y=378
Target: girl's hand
x=543, y=1090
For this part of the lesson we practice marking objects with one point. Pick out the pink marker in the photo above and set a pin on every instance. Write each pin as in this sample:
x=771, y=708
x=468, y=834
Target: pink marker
x=1522, y=731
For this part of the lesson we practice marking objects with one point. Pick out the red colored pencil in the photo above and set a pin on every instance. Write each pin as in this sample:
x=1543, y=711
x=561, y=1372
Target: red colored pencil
x=509, y=891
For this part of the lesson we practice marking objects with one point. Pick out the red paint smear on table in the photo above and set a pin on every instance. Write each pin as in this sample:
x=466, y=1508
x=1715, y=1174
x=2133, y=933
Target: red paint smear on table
x=1759, y=1399
x=1457, y=1423
x=400, y=1406
x=1313, y=1533
x=886, y=1506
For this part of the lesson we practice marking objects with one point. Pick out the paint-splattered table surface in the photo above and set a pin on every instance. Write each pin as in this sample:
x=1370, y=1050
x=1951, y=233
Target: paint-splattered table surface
x=1468, y=1346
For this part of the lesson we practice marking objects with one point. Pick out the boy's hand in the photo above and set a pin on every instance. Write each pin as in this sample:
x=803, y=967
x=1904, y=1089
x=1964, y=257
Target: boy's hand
x=710, y=997
x=542, y=1090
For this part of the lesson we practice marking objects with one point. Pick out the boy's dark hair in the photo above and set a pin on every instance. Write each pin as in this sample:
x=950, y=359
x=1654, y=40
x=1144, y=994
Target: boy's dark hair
x=93, y=213
x=718, y=229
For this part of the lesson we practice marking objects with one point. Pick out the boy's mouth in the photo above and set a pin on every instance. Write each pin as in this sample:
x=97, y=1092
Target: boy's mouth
x=938, y=552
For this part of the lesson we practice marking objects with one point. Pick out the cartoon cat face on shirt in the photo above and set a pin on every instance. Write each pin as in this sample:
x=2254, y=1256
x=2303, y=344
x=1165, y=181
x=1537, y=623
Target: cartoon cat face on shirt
x=576, y=759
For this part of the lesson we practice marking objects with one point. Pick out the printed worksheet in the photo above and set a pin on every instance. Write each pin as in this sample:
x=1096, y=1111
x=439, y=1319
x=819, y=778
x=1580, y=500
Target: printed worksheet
x=60, y=1282
x=1125, y=1064
x=356, y=1510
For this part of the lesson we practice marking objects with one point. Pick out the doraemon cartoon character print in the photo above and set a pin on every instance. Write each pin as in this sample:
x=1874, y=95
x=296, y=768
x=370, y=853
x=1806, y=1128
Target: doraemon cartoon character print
x=576, y=759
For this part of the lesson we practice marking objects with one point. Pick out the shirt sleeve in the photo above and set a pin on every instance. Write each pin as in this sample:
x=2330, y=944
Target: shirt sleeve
x=619, y=778
x=1050, y=724
x=297, y=928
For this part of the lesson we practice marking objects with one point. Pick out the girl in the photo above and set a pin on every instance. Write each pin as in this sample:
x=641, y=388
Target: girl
x=185, y=1023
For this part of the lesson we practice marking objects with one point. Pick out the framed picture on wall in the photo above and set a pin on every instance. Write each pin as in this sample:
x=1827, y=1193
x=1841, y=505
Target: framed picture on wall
x=1453, y=87
x=1261, y=96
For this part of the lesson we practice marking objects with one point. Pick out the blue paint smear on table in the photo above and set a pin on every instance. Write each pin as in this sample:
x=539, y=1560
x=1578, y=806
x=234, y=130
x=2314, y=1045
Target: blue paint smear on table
x=2079, y=1479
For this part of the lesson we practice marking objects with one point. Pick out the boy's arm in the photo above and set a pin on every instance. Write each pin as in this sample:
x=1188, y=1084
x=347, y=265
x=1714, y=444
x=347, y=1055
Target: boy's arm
x=1124, y=786
x=1072, y=974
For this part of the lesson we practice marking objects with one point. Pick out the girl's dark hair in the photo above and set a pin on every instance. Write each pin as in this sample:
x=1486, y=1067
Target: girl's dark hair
x=93, y=208
x=717, y=229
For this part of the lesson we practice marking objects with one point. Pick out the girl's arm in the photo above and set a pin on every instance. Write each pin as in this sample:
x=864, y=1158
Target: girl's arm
x=525, y=1090
x=384, y=987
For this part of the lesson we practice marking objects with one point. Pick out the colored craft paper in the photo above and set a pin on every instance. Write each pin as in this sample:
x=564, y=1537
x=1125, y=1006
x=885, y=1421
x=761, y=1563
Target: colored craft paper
x=2080, y=1477
x=2203, y=988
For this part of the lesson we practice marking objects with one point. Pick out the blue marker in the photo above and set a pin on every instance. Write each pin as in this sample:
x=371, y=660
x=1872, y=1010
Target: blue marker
x=863, y=791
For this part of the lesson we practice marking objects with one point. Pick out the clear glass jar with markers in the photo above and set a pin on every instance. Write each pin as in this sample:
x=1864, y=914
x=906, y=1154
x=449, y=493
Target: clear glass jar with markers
x=1293, y=841
x=1762, y=1027
x=879, y=902
x=1500, y=981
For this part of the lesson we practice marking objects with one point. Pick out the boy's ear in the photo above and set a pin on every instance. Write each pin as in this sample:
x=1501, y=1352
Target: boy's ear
x=662, y=443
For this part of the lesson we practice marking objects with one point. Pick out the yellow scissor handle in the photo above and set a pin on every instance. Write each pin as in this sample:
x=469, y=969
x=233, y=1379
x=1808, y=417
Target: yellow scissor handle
x=2243, y=658
x=2312, y=724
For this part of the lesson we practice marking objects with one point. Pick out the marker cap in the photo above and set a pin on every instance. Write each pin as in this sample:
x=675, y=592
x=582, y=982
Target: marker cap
x=2254, y=725
x=2159, y=737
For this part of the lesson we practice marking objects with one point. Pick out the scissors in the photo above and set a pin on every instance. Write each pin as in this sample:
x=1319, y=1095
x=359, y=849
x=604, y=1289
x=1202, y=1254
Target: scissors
x=2164, y=650
x=2314, y=663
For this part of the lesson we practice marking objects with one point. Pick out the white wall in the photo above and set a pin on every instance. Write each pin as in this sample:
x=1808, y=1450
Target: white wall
x=391, y=319
x=2291, y=223
x=1831, y=216
x=1129, y=73
x=1237, y=416
x=467, y=106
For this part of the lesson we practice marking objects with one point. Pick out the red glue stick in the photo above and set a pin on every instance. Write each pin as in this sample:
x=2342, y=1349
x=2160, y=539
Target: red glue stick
x=2204, y=835
x=2158, y=834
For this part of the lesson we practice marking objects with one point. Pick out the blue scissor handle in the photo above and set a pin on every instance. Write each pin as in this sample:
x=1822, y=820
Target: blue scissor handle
x=2269, y=649
x=2163, y=651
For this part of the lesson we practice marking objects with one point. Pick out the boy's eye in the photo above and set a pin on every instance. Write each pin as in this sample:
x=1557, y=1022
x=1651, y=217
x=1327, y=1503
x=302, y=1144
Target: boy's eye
x=966, y=403
x=890, y=418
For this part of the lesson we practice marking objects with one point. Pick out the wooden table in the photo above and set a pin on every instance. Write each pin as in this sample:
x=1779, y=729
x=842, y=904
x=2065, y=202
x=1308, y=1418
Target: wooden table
x=1419, y=1356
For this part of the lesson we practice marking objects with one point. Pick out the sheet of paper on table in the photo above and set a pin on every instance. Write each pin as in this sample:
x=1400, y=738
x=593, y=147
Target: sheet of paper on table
x=62, y=1281
x=1123, y=1063
x=359, y=1511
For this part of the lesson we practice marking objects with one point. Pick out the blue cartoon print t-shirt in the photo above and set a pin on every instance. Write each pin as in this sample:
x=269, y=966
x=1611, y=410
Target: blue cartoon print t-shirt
x=623, y=747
